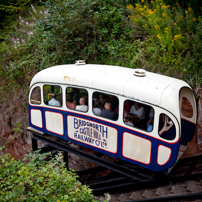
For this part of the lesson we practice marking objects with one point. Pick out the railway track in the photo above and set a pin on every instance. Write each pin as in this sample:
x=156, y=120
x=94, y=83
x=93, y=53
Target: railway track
x=184, y=191
x=184, y=183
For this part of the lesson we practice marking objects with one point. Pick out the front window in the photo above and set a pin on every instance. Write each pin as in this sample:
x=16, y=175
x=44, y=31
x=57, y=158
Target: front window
x=35, y=97
x=166, y=127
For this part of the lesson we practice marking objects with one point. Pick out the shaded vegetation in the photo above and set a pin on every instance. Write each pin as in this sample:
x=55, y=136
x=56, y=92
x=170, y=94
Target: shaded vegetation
x=9, y=10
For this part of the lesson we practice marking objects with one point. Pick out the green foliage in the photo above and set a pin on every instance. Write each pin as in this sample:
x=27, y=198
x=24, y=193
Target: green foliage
x=35, y=180
x=194, y=4
x=17, y=126
x=150, y=35
x=169, y=31
x=13, y=6
x=69, y=31
x=9, y=9
x=74, y=29
x=21, y=51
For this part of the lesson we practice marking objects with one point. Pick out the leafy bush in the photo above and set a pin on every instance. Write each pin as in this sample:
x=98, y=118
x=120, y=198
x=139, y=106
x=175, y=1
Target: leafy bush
x=169, y=33
x=19, y=55
x=10, y=8
x=66, y=31
x=88, y=30
x=35, y=180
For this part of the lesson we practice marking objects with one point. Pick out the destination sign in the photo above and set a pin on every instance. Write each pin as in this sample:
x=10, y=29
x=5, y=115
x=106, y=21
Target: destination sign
x=92, y=133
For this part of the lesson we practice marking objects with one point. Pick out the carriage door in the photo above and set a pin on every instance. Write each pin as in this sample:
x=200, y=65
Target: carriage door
x=188, y=115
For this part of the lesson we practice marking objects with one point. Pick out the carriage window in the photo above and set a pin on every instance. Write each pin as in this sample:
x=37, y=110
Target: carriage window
x=52, y=95
x=35, y=97
x=186, y=108
x=105, y=105
x=77, y=98
x=166, y=127
x=138, y=115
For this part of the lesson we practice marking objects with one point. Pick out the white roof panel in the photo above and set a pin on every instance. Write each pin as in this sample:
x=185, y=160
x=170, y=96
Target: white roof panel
x=152, y=88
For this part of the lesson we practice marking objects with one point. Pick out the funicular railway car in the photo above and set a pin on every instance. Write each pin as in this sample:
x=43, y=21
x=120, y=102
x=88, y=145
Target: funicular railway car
x=137, y=116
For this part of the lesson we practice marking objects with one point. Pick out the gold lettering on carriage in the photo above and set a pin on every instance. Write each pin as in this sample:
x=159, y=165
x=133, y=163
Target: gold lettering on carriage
x=93, y=133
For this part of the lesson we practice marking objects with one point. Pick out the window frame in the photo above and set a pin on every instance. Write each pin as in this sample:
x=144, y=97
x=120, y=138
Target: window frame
x=106, y=94
x=80, y=88
x=61, y=93
x=146, y=108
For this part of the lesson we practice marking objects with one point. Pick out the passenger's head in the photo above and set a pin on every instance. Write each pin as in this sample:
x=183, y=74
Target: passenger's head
x=137, y=105
x=101, y=96
x=82, y=101
x=53, y=95
x=108, y=105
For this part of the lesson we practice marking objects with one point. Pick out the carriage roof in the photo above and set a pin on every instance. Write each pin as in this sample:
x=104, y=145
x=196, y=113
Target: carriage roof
x=138, y=84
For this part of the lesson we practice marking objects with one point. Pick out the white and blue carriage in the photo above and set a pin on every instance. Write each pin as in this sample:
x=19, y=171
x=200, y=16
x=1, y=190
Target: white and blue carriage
x=153, y=142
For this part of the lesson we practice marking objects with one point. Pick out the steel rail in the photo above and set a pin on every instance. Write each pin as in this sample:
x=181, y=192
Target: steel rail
x=110, y=186
x=173, y=197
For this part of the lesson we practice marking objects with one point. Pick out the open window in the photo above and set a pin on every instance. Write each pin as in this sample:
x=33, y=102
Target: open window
x=105, y=105
x=77, y=99
x=35, y=97
x=52, y=95
x=138, y=115
x=166, y=127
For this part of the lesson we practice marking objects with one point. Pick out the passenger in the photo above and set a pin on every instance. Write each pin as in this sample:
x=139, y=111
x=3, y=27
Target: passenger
x=53, y=101
x=128, y=121
x=95, y=95
x=101, y=101
x=151, y=120
x=114, y=101
x=70, y=104
x=96, y=110
x=137, y=111
x=82, y=107
x=75, y=95
x=127, y=106
x=86, y=100
x=107, y=113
